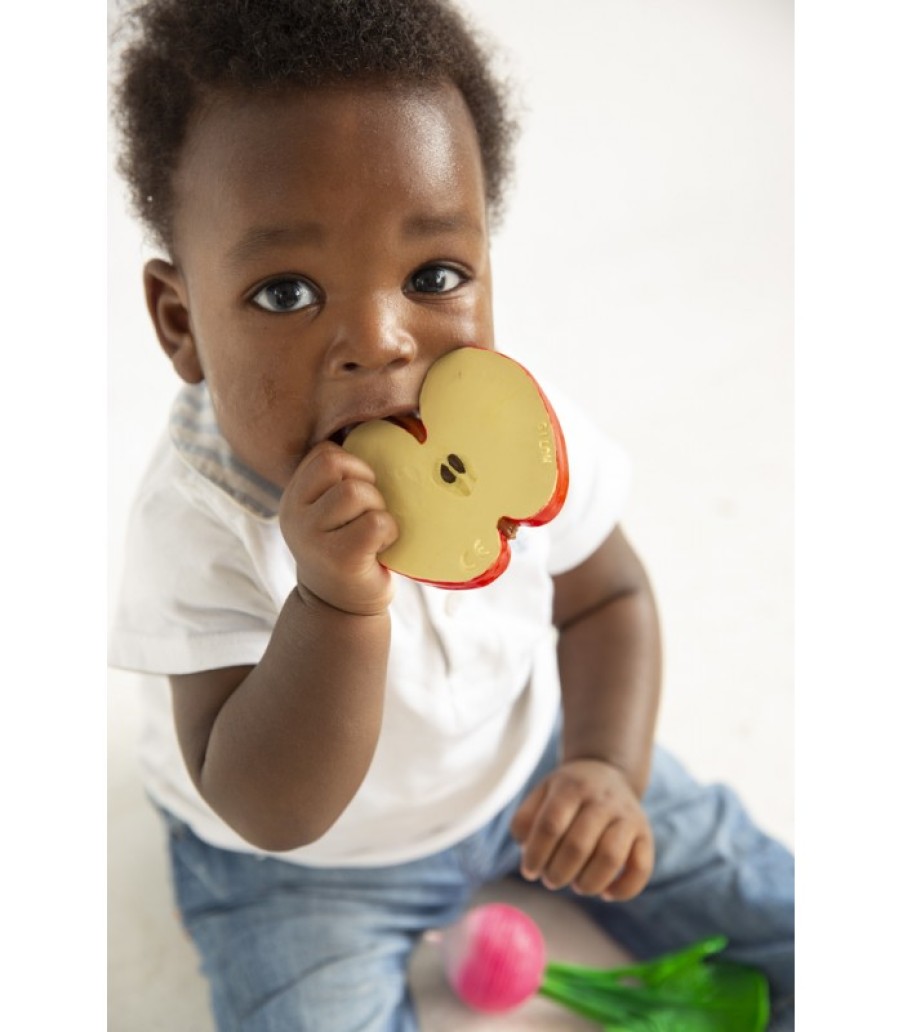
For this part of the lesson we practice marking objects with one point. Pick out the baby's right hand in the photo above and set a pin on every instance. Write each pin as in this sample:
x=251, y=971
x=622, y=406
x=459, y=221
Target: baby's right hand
x=335, y=522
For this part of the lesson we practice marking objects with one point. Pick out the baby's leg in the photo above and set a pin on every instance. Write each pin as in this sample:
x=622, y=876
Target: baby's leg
x=287, y=947
x=715, y=872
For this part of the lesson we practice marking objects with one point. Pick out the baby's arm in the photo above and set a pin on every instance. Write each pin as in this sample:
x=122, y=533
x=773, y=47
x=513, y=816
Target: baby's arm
x=278, y=750
x=584, y=826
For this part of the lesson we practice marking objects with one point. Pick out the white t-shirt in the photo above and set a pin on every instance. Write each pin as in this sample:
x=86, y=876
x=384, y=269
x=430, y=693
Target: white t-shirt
x=472, y=692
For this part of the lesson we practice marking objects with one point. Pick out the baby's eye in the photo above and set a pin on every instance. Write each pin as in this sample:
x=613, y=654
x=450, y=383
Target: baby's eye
x=436, y=279
x=285, y=295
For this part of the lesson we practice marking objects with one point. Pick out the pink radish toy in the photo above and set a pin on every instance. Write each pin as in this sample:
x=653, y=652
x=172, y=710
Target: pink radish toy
x=495, y=960
x=494, y=957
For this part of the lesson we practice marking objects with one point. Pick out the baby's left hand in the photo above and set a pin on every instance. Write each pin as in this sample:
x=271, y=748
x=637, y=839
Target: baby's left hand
x=583, y=826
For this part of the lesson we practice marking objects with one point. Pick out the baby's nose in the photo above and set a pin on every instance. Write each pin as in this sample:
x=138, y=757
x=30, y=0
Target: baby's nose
x=371, y=335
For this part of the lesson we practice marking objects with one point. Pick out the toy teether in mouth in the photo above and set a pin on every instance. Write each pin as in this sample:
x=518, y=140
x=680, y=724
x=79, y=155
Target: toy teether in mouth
x=340, y=435
x=409, y=421
x=483, y=455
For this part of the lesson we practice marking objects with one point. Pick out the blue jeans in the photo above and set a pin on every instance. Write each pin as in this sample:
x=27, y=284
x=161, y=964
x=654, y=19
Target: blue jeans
x=288, y=948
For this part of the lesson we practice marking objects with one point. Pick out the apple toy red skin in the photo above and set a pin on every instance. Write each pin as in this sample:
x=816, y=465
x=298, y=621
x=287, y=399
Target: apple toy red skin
x=486, y=455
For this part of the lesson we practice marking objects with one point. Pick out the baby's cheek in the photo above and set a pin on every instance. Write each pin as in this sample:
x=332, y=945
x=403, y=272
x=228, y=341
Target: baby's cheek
x=269, y=394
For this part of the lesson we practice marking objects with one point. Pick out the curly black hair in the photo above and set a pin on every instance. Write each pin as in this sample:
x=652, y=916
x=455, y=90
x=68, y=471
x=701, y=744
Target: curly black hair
x=178, y=53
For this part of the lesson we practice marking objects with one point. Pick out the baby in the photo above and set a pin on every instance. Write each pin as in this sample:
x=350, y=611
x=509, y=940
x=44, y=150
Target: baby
x=342, y=755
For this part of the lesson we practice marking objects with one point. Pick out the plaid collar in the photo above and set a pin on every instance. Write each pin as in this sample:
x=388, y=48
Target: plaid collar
x=197, y=438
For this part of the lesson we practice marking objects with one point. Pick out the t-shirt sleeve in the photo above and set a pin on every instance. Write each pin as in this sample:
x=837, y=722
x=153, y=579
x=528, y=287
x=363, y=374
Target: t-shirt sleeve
x=597, y=492
x=190, y=597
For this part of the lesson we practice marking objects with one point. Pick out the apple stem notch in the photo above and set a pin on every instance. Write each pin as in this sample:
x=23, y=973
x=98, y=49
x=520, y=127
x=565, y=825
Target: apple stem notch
x=412, y=423
x=507, y=528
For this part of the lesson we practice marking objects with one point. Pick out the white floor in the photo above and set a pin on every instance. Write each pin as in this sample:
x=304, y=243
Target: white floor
x=645, y=265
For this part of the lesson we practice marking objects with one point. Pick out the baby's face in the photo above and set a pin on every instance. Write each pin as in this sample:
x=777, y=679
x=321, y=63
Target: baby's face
x=330, y=246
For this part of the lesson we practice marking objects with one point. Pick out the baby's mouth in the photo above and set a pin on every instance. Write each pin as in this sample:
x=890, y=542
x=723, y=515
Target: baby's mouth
x=339, y=436
x=409, y=421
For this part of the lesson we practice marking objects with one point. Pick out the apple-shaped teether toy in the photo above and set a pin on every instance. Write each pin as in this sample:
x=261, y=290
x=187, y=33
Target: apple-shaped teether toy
x=486, y=455
x=495, y=961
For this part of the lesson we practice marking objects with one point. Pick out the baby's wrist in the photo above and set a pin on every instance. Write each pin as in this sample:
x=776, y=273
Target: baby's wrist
x=315, y=602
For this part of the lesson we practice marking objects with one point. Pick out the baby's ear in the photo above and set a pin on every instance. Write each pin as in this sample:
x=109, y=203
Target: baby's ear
x=167, y=302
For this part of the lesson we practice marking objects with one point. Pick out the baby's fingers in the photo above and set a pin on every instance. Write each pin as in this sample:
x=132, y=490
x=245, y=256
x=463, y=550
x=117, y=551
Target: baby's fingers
x=576, y=848
x=620, y=866
x=636, y=873
x=343, y=503
x=548, y=826
x=325, y=465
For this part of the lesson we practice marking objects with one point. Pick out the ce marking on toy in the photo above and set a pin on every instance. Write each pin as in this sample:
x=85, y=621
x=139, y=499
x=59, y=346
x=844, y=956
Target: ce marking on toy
x=476, y=555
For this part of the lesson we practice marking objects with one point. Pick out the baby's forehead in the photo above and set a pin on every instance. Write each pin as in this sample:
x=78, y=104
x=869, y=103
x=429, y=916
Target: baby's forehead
x=339, y=149
x=359, y=127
